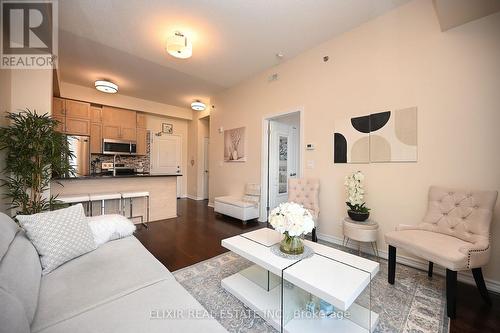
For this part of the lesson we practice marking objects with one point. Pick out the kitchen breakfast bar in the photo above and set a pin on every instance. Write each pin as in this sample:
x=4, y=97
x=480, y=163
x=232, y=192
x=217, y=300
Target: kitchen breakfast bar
x=162, y=189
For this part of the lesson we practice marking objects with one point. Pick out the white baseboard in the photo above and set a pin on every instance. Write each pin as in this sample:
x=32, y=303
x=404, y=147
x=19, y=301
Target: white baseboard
x=210, y=204
x=193, y=197
x=465, y=277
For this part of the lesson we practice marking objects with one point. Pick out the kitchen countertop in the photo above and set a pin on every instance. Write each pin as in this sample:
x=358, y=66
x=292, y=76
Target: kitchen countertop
x=106, y=176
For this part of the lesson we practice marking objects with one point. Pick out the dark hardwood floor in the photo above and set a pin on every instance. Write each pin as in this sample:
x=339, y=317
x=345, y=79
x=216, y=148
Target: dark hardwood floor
x=196, y=235
x=192, y=237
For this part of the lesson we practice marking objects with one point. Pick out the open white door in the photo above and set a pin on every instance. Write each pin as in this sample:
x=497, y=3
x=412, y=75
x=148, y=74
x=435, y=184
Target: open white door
x=282, y=161
x=166, y=157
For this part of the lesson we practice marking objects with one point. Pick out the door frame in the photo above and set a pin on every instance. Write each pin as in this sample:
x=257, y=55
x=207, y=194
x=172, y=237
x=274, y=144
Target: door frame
x=265, y=154
x=206, y=167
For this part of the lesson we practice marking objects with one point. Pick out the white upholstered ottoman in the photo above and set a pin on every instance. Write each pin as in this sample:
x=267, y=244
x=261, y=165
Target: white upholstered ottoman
x=236, y=207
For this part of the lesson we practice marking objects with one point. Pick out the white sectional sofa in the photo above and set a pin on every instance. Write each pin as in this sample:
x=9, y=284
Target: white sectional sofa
x=119, y=287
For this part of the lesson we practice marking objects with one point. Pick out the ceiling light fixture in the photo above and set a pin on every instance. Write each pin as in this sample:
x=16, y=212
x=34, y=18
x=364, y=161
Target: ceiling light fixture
x=106, y=86
x=198, y=106
x=179, y=46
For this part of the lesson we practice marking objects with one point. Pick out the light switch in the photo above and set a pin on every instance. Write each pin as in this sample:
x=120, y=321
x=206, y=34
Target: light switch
x=310, y=164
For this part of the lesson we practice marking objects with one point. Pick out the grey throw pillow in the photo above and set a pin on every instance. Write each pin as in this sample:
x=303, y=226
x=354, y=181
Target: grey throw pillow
x=59, y=235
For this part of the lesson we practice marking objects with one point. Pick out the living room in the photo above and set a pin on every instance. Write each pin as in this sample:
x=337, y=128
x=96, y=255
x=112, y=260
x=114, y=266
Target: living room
x=207, y=128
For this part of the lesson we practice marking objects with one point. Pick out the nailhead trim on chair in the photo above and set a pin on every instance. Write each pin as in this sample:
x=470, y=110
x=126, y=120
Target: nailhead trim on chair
x=470, y=251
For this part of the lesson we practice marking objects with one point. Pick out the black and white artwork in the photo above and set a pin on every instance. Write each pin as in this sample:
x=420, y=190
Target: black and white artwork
x=389, y=136
x=234, y=145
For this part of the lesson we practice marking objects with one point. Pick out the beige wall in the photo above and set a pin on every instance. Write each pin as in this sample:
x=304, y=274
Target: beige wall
x=153, y=123
x=21, y=89
x=5, y=92
x=398, y=60
x=74, y=91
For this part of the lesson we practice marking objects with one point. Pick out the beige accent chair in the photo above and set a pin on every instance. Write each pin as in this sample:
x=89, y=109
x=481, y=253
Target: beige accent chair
x=455, y=234
x=305, y=191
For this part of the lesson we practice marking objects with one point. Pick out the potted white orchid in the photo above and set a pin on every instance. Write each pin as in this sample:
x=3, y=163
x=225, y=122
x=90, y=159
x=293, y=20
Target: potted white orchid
x=355, y=197
x=293, y=221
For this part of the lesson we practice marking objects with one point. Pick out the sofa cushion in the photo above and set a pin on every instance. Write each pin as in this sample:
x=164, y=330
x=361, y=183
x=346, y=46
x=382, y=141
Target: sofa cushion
x=12, y=316
x=115, y=269
x=235, y=201
x=439, y=248
x=109, y=227
x=59, y=235
x=8, y=229
x=145, y=310
x=20, y=273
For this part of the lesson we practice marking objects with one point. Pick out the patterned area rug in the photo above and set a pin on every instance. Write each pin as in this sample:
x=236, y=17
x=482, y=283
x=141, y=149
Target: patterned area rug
x=414, y=304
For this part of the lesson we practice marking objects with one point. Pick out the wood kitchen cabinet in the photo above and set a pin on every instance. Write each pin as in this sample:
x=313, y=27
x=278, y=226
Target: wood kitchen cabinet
x=141, y=141
x=58, y=105
x=119, y=124
x=95, y=114
x=76, y=109
x=141, y=120
x=74, y=116
x=60, y=127
x=95, y=138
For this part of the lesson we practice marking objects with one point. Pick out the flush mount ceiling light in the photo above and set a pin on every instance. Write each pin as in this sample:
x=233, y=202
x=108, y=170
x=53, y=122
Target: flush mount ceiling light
x=106, y=86
x=179, y=46
x=198, y=106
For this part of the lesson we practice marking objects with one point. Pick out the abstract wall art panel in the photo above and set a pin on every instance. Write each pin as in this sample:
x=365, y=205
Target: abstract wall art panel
x=234, y=145
x=351, y=141
x=396, y=141
x=389, y=136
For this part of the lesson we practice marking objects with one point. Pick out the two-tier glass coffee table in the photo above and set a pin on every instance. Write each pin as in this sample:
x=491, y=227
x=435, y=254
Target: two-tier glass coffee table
x=329, y=291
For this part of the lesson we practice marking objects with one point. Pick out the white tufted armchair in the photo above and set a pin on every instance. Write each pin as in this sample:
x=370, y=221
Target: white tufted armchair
x=305, y=191
x=455, y=233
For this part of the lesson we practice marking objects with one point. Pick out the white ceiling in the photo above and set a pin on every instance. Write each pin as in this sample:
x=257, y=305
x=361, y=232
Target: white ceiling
x=124, y=41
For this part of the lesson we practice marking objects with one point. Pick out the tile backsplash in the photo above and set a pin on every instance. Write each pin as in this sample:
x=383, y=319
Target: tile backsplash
x=129, y=161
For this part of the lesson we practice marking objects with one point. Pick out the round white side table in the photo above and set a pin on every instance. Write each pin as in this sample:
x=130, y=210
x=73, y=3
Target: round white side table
x=366, y=231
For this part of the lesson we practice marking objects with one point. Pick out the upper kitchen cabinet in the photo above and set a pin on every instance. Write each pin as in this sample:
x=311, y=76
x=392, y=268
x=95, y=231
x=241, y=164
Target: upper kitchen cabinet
x=76, y=109
x=73, y=116
x=141, y=120
x=58, y=105
x=119, y=124
x=95, y=114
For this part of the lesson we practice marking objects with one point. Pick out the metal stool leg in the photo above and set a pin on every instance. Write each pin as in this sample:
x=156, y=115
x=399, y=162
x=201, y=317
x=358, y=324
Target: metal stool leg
x=103, y=208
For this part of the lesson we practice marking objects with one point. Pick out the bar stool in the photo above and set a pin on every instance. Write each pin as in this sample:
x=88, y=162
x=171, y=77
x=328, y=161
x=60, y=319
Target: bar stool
x=72, y=199
x=102, y=197
x=131, y=196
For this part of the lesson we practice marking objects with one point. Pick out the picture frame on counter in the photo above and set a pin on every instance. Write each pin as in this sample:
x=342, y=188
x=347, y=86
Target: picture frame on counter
x=167, y=128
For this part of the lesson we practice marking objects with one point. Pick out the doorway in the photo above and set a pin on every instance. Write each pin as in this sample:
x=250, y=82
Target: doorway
x=281, y=158
x=206, y=146
x=166, y=157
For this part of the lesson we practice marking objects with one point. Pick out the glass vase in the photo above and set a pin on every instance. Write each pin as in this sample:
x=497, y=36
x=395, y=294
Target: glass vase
x=291, y=244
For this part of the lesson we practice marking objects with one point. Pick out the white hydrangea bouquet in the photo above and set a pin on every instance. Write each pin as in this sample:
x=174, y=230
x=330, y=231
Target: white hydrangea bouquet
x=292, y=220
x=355, y=197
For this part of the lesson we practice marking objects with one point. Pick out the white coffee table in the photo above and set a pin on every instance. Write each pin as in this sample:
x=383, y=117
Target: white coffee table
x=276, y=285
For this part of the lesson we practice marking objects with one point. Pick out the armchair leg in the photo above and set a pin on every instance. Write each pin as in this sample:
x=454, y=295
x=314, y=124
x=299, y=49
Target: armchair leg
x=431, y=267
x=392, y=264
x=478, y=277
x=314, y=236
x=451, y=293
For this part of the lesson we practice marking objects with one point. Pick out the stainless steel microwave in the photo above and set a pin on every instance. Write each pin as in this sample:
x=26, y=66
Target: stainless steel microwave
x=120, y=147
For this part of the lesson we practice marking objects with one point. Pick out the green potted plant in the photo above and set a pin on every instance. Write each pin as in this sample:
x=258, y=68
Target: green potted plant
x=34, y=151
x=355, y=195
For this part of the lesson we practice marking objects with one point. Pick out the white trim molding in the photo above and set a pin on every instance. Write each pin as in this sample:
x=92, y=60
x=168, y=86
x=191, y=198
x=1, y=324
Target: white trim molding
x=193, y=197
x=464, y=276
